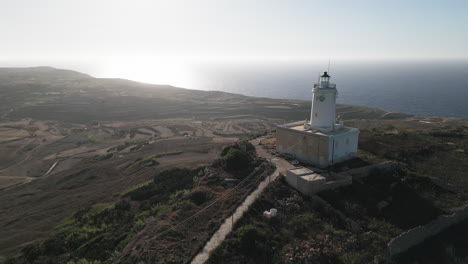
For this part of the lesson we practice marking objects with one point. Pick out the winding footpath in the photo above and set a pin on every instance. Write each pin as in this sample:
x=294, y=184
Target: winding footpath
x=226, y=227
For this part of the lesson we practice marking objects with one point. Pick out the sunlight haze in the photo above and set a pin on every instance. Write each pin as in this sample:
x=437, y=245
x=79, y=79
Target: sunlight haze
x=111, y=38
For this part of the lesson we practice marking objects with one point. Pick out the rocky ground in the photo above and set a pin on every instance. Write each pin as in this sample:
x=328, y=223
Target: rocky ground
x=353, y=224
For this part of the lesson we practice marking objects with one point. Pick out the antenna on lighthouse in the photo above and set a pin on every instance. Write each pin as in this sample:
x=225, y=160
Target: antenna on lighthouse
x=328, y=66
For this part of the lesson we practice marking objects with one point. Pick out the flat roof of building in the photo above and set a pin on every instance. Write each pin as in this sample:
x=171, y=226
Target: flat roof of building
x=313, y=177
x=306, y=174
x=299, y=126
x=300, y=171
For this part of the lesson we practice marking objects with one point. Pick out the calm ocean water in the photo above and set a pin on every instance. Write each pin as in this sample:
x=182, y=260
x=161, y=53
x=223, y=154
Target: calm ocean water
x=431, y=88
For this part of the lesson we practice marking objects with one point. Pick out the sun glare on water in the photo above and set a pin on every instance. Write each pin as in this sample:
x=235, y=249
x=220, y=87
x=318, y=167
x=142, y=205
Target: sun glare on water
x=151, y=70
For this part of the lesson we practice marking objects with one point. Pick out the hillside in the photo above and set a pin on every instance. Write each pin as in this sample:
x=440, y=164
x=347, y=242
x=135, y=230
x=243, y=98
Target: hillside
x=354, y=224
x=72, y=148
x=46, y=93
x=41, y=73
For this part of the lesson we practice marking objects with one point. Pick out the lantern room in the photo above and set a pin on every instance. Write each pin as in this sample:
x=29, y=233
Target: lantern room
x=324, y=80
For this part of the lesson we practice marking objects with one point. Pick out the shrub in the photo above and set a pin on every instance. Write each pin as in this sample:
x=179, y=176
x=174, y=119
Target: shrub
x=329, y=228
x=251, y=239
x=249, y=147
x=175, y=179
x=146, y=162
x=139, y=225
x=143, y=193
x=184, y=205
x=54, y=246
x=164, y=184
x=121, y=147
x=123, y=205
x=31, y=252
x=103, y=157
x=236, y=159
x=199, y=197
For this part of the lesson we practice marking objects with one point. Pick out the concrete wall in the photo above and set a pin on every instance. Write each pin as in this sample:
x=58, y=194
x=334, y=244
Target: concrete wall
x=312, y=187
x=302, y=185
x=291, y=179
x=317, y=149
x=345, y=146
x=307, y=148
x=323, y=113
x=309, y=187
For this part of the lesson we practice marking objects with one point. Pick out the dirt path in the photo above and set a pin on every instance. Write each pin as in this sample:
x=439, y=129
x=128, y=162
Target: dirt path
x=226, y=227
x=9, y=111
x=15, y=182
x=50, y=169
x=24, y=179
x=384, y=115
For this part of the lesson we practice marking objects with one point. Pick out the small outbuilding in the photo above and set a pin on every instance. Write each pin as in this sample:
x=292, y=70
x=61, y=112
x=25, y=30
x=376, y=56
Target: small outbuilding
x=309, y=182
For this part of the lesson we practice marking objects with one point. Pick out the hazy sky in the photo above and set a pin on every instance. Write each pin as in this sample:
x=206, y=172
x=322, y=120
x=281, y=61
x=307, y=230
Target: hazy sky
x=86, y=29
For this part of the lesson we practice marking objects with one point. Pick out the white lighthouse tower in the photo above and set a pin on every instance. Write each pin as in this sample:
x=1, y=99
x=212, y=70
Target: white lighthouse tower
x=321, y=142
x=323, y=111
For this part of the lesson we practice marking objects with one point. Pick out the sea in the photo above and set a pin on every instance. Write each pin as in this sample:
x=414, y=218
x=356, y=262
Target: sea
x=421, y=88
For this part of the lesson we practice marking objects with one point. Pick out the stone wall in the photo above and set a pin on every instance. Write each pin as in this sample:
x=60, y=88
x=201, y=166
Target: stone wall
x=365, y=171
x=415, y=236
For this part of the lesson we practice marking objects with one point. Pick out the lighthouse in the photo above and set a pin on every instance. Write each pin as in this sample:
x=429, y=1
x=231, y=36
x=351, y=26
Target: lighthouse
x=321, y=141
x=323, y=110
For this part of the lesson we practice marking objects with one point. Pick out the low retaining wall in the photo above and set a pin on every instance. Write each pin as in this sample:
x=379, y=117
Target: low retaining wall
x=415, y=236
x=335, y=184
x=365, y=171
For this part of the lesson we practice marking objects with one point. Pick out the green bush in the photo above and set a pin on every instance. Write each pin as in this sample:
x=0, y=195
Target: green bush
x=236, y=159
x=175, y=179
x=54, y=246
x=123, y=205
x=199, y=197
x=329, y=228
x=143, y=193
x=121, y=147
x=251, y=239
x=164, y=184
x=103, y=157
x=31, y=252
x=184, y=205
x=146, y=162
